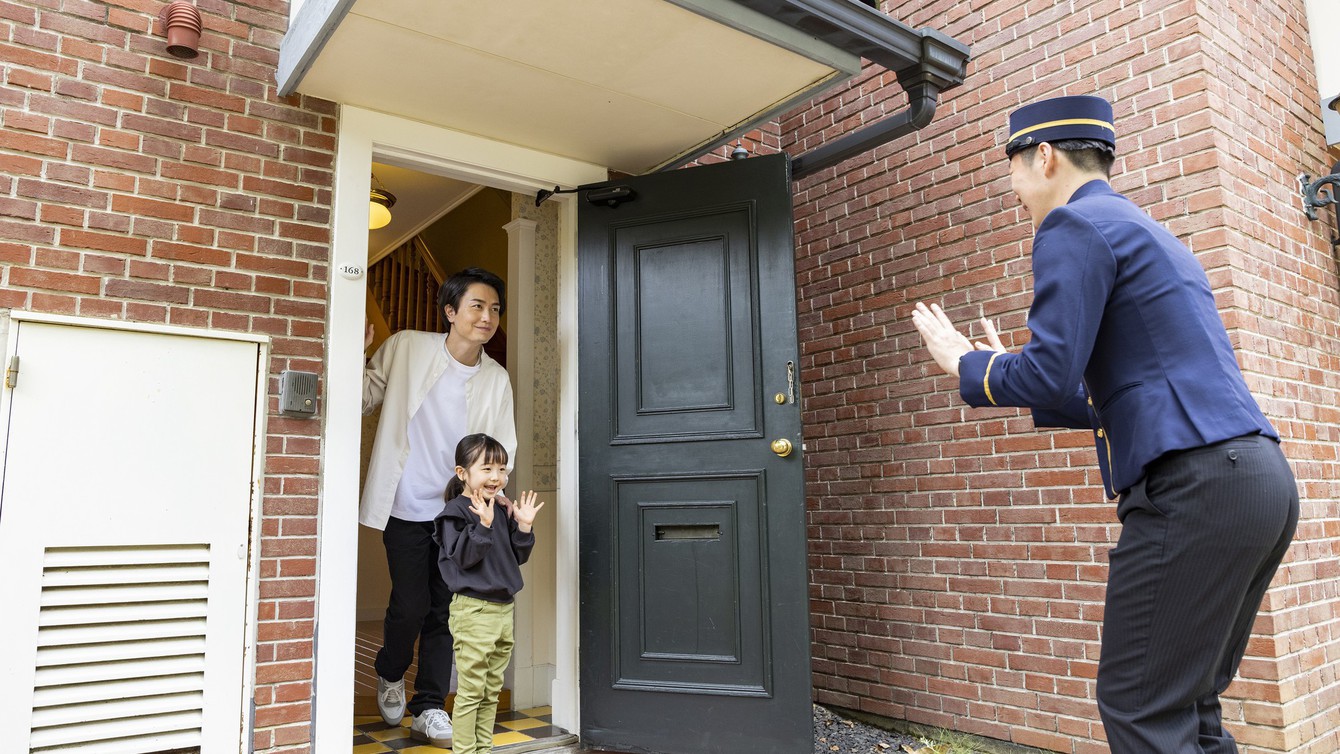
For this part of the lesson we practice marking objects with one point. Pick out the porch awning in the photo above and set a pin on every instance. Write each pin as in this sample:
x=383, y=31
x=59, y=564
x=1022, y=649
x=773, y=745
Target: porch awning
x=633, y=85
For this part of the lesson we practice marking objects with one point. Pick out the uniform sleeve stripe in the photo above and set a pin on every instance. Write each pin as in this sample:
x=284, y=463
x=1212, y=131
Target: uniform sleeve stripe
x=986, y=378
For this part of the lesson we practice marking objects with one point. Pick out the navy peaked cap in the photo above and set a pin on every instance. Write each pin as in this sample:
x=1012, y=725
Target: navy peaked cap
x=1078, y=117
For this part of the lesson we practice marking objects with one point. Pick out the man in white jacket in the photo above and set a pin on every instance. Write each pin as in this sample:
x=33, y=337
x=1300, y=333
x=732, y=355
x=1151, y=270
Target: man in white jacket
x=434, y=389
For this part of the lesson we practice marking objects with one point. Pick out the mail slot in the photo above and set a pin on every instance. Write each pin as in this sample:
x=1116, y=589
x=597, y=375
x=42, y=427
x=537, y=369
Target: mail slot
x=710, y=532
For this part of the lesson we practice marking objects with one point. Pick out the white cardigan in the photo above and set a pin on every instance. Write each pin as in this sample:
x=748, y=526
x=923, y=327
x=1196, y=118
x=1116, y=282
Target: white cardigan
x=398, y=377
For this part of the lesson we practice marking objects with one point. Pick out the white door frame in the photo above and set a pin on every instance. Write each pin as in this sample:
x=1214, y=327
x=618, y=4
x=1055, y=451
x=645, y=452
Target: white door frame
x=406, y=143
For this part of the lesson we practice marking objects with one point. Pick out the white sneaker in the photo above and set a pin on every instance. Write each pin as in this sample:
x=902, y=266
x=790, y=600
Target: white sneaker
x=391, y=700
x=432, y=726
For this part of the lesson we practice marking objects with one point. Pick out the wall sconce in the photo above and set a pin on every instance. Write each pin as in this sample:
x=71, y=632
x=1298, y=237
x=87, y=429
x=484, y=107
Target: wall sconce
x=1320, y=193
x=181, y=25
x=380, y=203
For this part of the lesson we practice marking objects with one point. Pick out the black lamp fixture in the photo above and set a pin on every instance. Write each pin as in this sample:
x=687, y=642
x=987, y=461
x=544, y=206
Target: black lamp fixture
x=380, y=203
x=1320, y=193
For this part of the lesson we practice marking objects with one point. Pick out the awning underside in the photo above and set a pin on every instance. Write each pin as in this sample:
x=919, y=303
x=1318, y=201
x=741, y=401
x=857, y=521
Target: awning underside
x=632, y=85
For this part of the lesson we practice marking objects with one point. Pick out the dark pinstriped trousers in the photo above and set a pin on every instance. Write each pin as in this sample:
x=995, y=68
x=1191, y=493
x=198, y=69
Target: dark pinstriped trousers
x=1201, y=537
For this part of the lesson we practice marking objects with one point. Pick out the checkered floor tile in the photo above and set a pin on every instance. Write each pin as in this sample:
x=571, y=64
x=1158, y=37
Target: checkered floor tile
x=372, y=736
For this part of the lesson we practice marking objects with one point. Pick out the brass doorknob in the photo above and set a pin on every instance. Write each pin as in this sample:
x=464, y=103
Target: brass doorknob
x=781, y=447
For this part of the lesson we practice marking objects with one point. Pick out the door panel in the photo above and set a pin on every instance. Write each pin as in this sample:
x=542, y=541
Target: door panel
x=698, y=589
x=695, y=623
x=682, y=370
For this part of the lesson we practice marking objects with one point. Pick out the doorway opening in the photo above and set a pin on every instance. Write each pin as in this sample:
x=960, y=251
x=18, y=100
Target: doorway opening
x=441, y=225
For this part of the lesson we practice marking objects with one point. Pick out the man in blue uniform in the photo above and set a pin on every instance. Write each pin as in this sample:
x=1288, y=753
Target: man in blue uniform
x=1126, y=341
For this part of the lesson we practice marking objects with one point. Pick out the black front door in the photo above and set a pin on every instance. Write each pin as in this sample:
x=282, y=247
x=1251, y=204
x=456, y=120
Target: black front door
x=694, y=618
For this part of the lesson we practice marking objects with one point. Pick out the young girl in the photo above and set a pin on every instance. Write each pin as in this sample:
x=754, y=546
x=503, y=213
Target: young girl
x=482, y=549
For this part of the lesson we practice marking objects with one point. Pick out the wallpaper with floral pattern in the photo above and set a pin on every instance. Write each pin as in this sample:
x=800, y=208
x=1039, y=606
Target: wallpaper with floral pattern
x=546, y=336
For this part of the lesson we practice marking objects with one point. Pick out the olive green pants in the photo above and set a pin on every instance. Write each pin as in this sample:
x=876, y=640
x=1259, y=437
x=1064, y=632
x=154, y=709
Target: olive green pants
x=482, y=636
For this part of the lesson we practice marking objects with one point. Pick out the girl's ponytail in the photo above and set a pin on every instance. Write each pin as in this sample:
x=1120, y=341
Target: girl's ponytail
x=454, y=488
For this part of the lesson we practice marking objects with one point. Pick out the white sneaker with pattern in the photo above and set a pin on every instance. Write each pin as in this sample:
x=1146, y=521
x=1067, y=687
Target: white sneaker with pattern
x=391, y=700
x=433, y=726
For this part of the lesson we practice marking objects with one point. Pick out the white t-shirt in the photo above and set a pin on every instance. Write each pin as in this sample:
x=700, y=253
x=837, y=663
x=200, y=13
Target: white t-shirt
x=434, y=431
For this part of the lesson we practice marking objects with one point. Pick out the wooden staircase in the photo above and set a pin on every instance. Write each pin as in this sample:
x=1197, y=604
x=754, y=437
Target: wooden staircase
x=402, y=295
x=402, y=291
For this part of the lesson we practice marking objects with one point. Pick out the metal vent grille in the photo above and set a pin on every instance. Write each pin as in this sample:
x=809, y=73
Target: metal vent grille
x=121, y=649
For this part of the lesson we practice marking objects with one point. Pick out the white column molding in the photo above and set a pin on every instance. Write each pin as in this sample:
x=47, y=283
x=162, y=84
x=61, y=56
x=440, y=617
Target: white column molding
x=565, y=694
x=521, y=366
x=337, y=516
x=521, y=344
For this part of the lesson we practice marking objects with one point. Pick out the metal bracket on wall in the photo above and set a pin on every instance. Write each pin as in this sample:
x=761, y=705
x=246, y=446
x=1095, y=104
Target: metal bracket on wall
x=1320, y=193
x=544, y=194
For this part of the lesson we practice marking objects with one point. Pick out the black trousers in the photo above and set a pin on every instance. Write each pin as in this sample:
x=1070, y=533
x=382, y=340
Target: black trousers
x=418, y=609
x=1201, y=537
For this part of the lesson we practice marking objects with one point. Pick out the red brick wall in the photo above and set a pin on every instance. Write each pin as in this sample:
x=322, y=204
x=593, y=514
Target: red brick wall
x=1283, y=273
x=137, y=186
x=958, y=556
x=763, y=140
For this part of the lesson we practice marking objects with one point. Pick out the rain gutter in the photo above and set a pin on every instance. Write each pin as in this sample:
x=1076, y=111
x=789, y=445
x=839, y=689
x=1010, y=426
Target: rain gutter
x=925, y=61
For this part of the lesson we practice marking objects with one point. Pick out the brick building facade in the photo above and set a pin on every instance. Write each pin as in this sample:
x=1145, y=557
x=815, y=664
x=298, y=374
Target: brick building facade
x=957, y=556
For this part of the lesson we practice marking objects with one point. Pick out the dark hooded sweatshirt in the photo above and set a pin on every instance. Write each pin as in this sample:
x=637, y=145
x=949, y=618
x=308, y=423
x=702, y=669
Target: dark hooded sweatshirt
x=480, y=561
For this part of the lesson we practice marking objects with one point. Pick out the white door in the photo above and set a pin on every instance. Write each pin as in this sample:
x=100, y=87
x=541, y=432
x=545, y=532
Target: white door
x=124, y=517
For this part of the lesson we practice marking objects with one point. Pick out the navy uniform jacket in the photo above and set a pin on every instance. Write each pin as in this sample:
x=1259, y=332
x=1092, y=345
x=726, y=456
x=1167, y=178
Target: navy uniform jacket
x=1126, y=341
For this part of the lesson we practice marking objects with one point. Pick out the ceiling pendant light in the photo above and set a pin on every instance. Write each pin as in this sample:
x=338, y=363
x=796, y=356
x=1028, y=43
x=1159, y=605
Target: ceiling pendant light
x=380, y=203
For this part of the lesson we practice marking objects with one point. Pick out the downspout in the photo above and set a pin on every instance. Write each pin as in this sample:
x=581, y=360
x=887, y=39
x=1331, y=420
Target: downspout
x=922, y=99
x=926, y=62
x=942, y=65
